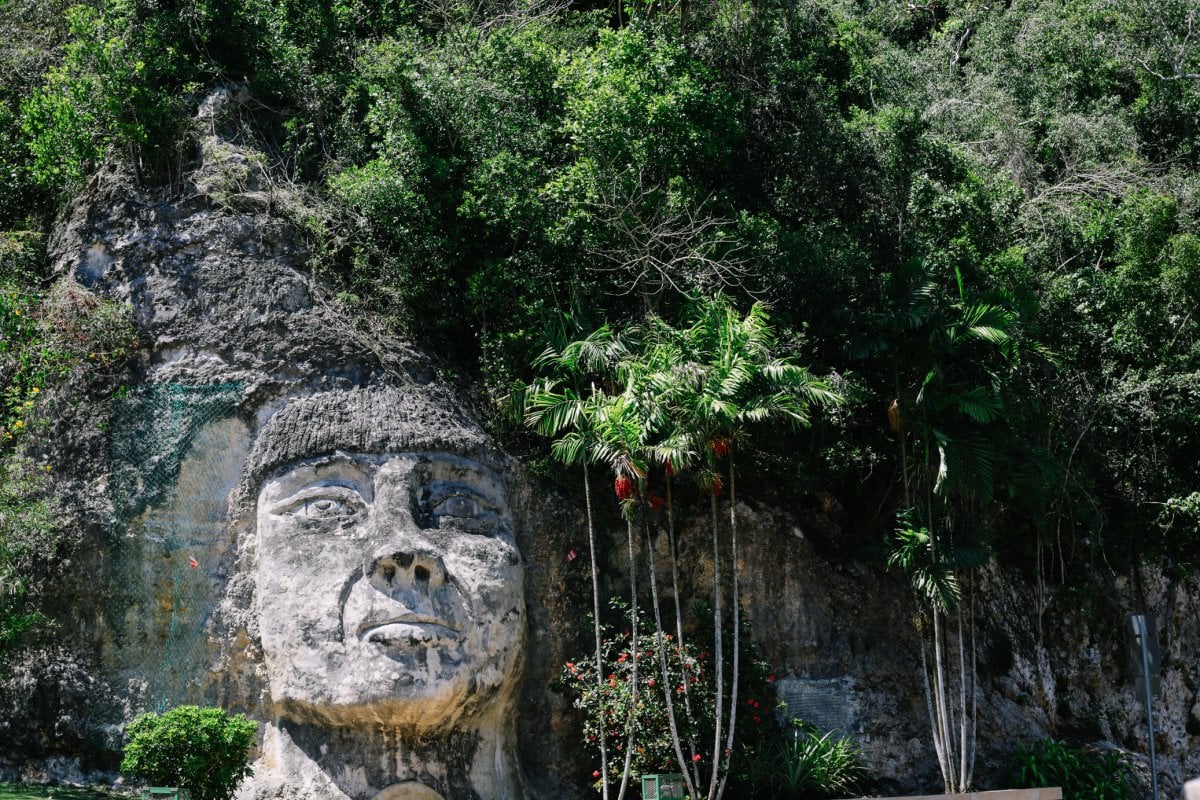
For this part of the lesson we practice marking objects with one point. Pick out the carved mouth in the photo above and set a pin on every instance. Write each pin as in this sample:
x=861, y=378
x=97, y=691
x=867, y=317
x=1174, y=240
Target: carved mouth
x=407, y=631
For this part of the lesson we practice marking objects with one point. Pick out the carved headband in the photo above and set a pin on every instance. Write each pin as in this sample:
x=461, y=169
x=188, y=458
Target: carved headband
x=385, y=419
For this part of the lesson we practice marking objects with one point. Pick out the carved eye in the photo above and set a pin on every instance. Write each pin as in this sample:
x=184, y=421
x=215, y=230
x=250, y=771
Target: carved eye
x=324, y=508
x=327, y=508
x=458, y=505
x=464, y=511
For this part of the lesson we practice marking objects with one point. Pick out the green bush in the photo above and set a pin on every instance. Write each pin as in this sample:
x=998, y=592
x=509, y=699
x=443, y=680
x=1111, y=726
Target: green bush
x=802, y=763
x=1082, y=774
x=202, y=750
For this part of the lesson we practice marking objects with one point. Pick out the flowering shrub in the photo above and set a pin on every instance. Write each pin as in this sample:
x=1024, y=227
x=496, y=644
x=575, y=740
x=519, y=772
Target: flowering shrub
x=617, y=704
x=613, y=709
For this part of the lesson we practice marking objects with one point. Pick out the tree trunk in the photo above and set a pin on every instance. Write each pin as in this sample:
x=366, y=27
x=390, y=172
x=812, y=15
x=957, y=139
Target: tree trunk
x=687, y=687
x=974, y=687
x=962, y=705
x=591, y=531
x=633, y=645
x=929, y=707
x=718, y=647
x=665, y=676
x=736, y=611
x=939, y=688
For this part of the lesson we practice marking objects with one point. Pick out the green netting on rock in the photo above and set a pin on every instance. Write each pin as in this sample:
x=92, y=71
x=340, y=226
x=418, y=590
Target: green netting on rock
x=152, y=428
x=176, y=451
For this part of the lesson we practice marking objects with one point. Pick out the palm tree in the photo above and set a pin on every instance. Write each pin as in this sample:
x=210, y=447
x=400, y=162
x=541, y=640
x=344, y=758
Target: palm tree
x=565, y=404
x=650, y=385
x=730, y=380
x=950, y=354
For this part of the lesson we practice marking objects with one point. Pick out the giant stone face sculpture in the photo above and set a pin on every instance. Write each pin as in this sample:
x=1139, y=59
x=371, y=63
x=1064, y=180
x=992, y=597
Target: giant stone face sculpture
x=389, y=598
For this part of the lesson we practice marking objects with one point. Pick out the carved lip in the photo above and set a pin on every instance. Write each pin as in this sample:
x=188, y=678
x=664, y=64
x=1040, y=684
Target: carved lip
x=410, y=629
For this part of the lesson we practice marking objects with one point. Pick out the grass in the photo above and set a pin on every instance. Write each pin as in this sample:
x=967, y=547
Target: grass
x=9, y=791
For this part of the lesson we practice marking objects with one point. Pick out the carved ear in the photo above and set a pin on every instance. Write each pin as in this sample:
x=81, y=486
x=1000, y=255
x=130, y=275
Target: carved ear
x=409, y=790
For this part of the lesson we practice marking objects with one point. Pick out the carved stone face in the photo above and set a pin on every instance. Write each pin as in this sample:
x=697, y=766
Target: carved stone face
x=389, y=589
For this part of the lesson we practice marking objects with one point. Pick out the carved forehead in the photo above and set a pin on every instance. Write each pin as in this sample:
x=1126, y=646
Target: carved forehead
x=364, y=473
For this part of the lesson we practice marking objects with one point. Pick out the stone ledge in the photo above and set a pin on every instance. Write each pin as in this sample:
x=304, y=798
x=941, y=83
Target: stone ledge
x=1047, y=793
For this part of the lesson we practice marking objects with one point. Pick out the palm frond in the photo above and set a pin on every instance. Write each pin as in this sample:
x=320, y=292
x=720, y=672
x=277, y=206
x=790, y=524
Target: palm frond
x=570, y=448
x=969, y=460
x=980, y=404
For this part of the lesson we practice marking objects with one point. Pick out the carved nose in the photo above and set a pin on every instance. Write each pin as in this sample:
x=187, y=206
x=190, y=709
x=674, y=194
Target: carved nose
x=404, y=570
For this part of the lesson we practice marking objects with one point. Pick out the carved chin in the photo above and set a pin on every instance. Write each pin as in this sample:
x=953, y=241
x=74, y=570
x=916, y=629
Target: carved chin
x=385, y=683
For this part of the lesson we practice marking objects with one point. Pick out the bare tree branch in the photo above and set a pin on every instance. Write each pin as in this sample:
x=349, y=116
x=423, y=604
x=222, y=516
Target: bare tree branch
x=660, y=244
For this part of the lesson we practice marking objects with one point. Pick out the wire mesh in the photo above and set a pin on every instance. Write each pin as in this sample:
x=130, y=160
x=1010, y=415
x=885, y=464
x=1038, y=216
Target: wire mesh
x=168, y=509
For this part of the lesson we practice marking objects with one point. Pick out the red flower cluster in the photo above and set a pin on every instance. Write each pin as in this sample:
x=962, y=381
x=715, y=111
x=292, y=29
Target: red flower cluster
x=624, y=487
x=720, y=446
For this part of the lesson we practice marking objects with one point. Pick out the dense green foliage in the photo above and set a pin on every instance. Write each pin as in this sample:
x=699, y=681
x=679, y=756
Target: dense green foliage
x=45, y=336
x=27, y=542
x=1083, y=774
x=19, y=792
x=203, y=750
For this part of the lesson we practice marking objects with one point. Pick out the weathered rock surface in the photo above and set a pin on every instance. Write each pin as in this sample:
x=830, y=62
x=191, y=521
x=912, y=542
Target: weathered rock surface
x=265, y=437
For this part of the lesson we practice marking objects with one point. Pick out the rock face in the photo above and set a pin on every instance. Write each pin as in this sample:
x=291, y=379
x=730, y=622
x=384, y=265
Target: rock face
x=288, y=515
x=289, y=521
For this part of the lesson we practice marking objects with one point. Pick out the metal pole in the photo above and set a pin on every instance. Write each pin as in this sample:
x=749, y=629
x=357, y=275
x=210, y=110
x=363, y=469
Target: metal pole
x=1140, y=627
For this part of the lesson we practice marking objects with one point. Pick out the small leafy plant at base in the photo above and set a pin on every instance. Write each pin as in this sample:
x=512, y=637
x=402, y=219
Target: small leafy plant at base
x=202, y=750
x=801, y=763
x=1083, y=774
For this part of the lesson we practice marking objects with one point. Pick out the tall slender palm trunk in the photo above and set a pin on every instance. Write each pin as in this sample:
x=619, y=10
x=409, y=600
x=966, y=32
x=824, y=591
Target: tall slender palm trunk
x=962, y=706
x=737, y=627
x=591, y=531
x=630, y=724
x=661, y=650
x=974, y=688
x=718, y=649
x=929, y=707
x=687, y=684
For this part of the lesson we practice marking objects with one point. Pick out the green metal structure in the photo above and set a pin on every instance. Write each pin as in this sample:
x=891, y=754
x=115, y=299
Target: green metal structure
x=663, y=787
x=165, y=793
